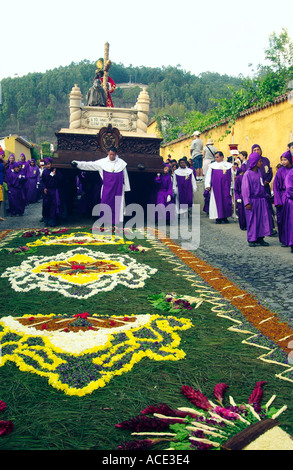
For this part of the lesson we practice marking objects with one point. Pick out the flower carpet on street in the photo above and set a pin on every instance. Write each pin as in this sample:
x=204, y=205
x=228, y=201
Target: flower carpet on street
x=96, y=328
x=79, y=273
x=78, y=238
x=80, y=354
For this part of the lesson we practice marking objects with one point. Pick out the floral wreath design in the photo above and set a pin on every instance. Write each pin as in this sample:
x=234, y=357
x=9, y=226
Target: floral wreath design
x=79, y=362
x=78, y=238
x=80, y=273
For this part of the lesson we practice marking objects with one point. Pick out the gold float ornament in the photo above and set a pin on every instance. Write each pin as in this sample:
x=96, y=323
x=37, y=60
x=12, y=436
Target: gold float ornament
x=100, y=65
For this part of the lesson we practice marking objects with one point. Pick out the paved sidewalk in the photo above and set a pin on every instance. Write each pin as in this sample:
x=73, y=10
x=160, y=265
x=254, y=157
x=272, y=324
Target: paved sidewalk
x=265, y=272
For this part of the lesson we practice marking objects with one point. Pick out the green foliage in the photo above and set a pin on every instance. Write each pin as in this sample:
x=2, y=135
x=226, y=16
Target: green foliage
x=37, y=105
x=46, y=150
x=253, y=92
x=280, y=50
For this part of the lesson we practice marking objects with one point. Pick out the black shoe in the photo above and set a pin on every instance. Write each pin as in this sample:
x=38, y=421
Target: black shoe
x=252, y=244
x=226, y=221
x=274, y=233
x=261, y=242
x=292, y=249
x=218, y=221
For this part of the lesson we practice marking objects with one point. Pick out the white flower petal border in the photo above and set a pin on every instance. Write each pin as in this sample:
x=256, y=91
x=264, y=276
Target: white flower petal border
x=23, y=278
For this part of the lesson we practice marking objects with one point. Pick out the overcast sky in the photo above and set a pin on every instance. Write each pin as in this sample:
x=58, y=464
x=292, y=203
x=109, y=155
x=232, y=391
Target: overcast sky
x=217, y=36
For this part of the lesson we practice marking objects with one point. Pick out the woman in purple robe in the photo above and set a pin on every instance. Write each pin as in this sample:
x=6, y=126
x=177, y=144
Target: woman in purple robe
x=255, y=200
x=51, y=179
x=15, y=182
x=267, y=176
x=279, y=190
x=287, y=212
x=33, y=175
x=238, y=197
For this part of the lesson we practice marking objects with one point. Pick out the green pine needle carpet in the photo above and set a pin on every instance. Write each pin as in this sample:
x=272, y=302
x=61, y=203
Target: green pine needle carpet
x=94, y=330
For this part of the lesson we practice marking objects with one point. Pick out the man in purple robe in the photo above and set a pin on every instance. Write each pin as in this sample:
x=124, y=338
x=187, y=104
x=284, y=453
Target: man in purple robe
x=164, y=194
x=218, y=181
x=279, y=190
x=287, y=212
x=91, y=192
x=24, y=170
x=255, y=200
x=33, y=176
x=115, y=179
x=2, y=155
x=184, y=187
x=51, y=179
x=15, y=182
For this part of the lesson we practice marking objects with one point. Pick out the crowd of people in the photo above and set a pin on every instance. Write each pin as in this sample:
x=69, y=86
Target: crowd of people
x=22, y=181
x=241, y=185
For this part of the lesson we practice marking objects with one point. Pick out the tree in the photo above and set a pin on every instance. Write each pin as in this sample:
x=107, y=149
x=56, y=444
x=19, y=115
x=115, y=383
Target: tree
x=280, y=50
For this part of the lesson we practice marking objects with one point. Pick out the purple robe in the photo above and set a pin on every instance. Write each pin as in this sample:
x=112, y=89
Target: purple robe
x=51, y=200
x=185, y=191
x=15, y=182
x=219, y=180
x=24, y=170
x=165, y=189
x=279, y=196
x=33, y=179
x=112, y=192
x=259, y=222
x=240, y=205
x=91, y=192
x=206, y=196
x=287, y=213
x=115, y=182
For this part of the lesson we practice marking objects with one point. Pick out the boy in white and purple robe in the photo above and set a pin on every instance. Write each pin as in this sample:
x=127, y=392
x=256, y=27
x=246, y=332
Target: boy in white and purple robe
x=184, y=187
x=218, y=181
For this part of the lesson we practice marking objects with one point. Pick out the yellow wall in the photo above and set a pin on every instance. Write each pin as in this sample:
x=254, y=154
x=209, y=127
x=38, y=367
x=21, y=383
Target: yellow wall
x=270, y=127
x=13, y=146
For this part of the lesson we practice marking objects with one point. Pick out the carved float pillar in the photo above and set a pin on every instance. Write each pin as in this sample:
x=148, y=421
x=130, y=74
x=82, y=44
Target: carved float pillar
x=75, y=106
x=143, y=107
